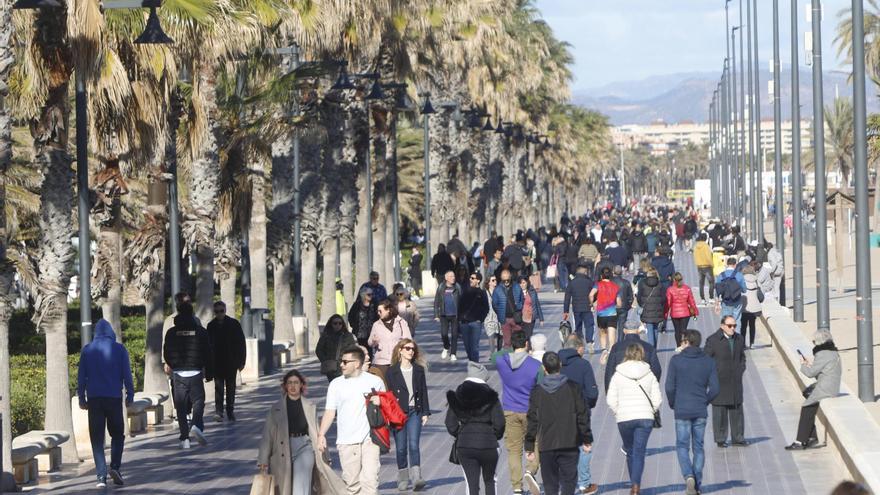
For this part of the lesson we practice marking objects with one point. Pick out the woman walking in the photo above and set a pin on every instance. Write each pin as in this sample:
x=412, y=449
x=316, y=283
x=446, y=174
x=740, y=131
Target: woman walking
x=476, y=420
x=406, y=380
x=287, y=447
x=388, y=330
x=531, y=307
x=651, y=299
x=680, y=306
x=634, y=397
x=407, y=309
x=334, y=338
x=752, y=309
x=826, y=369
x=362, y=315
x=491, y=323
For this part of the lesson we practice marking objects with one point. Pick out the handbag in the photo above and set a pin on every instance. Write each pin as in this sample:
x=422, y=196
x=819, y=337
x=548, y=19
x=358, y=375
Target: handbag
x=657, y=422
x=551, y=271
x=808, y=390
x=453, y=454
x=263, y=484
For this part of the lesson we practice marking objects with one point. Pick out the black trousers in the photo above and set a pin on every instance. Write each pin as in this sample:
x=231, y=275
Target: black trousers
x=807, y=424
x=728, y=416
x=189, y=393
x=449, y=324
x=475, y=462
x=680, y=325
x=706, y=276
x=528, y=328
x=220, y=384
x=748, y=322
x=106, y=412
x=559, y=468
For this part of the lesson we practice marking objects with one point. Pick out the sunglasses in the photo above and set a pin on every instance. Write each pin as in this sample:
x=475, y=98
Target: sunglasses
x=730, y=325
x=346, y=361
x=473, y=278
x=408, y=348
x=400, y=294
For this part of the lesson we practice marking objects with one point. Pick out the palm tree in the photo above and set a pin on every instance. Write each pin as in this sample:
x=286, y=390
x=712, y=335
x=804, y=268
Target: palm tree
x=839, y=137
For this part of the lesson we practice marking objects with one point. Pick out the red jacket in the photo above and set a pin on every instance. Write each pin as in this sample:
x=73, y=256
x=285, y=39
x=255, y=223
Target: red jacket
x=680, y=302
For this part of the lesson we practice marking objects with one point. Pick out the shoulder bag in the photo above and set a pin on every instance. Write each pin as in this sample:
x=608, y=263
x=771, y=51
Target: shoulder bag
x=657, y=422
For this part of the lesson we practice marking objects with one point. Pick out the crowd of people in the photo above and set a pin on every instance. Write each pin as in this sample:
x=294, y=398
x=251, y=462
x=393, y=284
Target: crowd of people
x=618, y=274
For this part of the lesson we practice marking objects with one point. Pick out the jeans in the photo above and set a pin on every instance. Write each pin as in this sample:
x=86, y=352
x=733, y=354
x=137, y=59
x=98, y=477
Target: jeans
x=635, y=434
x=585, y=477
x=470, y=336
x=622, y=315
x=559, y=469
x=219, y=385
x=584, y=319
x=562, y=275
x=732, y=310
x=689, y=435
x=406, y=440
x=189, y=394
x=706, y=276
x=475, y=462
x=302, y=458
x=448, y=323
x=651, y=333
x=507, y=328
x=106, y=411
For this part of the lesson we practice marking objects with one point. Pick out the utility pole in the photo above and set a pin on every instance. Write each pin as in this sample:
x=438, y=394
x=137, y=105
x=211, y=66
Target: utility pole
x=822, y=303
x=753, y=193
x=796, y=179
x=779, y=199
x=759, y=186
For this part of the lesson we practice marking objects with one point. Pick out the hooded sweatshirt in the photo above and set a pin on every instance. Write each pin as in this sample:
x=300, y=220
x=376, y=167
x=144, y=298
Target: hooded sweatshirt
x=579, y=371
x=558, y=415
x=104, y=367
x=519, y=374
x=626, y=399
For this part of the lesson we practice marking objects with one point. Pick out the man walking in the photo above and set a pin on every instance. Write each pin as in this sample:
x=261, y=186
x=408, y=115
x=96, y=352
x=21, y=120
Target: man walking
x=187, y=353
x=692, y=383
x=446, y=301
x=730, y=287
x=379, y=291
x=727, y=348
x=519, y=373
x=559, y=416
x=104, y=368
x=703, y=260
x=579, y=371
x=345, y=403
x=618, y=350
x=229, y=354
x=625, y=298
x=577, y=299
x=508, y=300
x=474, y=306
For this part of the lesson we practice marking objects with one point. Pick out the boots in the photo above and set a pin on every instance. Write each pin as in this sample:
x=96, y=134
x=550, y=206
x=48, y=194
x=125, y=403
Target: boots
x=418, y=482
x=402, y=479
x=634, y=490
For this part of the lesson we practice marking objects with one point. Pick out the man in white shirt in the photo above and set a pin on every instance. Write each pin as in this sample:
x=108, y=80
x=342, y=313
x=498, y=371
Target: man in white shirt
x=358, y=454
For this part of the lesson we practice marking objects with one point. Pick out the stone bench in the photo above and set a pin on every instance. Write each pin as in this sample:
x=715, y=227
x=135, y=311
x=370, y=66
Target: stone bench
x=137, y=415
x=281, y=350
x=155, y=411
x=36, y=452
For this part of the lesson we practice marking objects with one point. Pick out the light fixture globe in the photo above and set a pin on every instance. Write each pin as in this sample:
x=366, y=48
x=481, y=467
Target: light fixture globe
x=376, y=92
x=427, y=108
x=153, y=34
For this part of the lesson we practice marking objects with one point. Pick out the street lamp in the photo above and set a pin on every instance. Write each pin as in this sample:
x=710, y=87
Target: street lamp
x=822, y=303
x=759, y=187
x=777, y=148
x=426, y=111
x=796, y=179
x=401, y=104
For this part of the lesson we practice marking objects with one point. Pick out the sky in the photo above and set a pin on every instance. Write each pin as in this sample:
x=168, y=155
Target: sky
x=625, y=40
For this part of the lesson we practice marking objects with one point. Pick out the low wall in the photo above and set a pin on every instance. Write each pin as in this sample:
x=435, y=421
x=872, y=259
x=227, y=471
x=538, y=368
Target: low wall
x=849, y=425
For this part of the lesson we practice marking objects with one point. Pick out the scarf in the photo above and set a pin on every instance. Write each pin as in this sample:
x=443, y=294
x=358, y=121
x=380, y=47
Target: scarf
x=827, y=346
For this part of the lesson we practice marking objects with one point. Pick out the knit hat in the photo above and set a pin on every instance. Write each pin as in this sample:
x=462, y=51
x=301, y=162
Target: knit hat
x=477, y=370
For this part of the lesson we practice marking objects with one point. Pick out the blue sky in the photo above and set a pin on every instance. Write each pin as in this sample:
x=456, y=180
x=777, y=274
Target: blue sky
x=622, y=40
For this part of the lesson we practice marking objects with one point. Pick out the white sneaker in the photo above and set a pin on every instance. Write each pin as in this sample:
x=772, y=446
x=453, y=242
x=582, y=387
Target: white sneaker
x=453, y=358
x=702, y=302
x=444, y=354
x=184, y=444
x=531, y=483
x=200, y=436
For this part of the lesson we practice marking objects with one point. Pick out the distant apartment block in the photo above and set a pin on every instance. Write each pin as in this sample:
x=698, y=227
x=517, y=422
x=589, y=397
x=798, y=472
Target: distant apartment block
x=661, y=138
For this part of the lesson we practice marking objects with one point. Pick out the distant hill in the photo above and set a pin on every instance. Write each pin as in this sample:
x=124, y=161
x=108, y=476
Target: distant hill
x=686, y=96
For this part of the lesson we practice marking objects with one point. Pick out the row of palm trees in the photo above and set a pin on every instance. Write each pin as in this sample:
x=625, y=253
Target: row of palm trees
x=221, y=104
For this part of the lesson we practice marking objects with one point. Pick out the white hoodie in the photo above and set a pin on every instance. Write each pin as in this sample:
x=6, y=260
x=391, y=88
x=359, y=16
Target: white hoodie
x=624, y=396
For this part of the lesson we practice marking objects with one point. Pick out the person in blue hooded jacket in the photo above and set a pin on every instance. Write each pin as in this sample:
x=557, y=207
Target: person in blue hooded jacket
x=104, y=368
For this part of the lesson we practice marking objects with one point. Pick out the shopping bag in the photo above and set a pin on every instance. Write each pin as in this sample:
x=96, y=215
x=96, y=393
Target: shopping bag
x=264, y=484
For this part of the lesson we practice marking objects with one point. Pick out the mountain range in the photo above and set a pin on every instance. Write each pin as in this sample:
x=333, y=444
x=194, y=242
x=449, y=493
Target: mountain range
x=685, y=97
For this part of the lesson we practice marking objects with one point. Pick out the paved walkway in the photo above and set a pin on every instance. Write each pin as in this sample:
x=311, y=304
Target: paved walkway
x=154, y=465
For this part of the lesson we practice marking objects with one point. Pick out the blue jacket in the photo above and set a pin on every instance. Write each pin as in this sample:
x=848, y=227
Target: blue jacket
x=499, y=300
x=665, y=269
x=104, y=367
x=579, y=370
x=691, y=383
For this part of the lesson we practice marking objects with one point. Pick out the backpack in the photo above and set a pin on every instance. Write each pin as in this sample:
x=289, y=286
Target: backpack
x=729, y=290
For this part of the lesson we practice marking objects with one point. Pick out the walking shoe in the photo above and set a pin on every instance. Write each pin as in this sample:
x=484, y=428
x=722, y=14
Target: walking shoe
x=604, y=358
x=531, y=483
x=589, y=489
x=102, y=482
x=199, y=434
x=703, y=302
x=721, y=445
x=184, y=444
x=517, y=492
x=690, y=485
x=444, y=354
x=795, y=446
x=592, y=346
x=741, y=443
x=116, y=477
x=230, y=416
x=416, y=475
x=453, y=358
x=218, y=417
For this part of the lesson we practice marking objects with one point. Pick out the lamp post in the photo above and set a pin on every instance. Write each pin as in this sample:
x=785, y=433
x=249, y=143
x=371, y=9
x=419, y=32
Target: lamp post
x=796, y=180
x=753, y=194
x=727, y=205
x=864, y=318
x=779, y=200
x=737, y=129
x=401, y=104
x=756, y=99
x=822, y=295
x=427, y=110
x=744, y=164
x=175, y=110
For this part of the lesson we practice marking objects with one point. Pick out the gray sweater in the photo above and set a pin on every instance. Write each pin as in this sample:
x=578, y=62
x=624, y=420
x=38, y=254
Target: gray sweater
x=826, y=370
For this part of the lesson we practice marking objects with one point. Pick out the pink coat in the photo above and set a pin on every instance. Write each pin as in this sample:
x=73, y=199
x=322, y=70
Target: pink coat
x=384, y=340
x=680, y=302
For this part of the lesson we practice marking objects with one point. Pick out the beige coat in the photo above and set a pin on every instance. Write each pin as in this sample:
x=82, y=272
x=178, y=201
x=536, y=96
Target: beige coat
x=275, y=451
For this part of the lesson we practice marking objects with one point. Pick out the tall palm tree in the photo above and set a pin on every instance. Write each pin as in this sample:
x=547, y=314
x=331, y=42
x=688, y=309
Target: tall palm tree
x=839, y=137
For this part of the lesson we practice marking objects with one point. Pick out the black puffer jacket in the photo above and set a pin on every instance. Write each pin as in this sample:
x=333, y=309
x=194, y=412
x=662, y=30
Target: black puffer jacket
x=475, y=416
x=188, y=347
x=652, y=299
x=638, y=243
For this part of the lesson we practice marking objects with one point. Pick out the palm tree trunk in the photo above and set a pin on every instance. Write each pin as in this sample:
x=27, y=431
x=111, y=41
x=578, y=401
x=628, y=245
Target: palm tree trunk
x=226, y=261
x=346, y=267
x=328, y=293
x=283, y=310
x=280, y=234
x=257, y=235
x=310, y=293
x=109, y=259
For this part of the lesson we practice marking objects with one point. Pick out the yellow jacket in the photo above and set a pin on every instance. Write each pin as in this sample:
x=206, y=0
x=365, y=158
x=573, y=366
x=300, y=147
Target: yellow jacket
x=702, y=254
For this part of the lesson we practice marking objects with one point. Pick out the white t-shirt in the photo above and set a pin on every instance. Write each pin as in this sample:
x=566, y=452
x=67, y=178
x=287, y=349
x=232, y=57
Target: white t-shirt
x=346, y=397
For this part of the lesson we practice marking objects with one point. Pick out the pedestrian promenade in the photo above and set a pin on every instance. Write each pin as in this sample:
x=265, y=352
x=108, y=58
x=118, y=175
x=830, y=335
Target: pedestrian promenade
x=154, y=465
